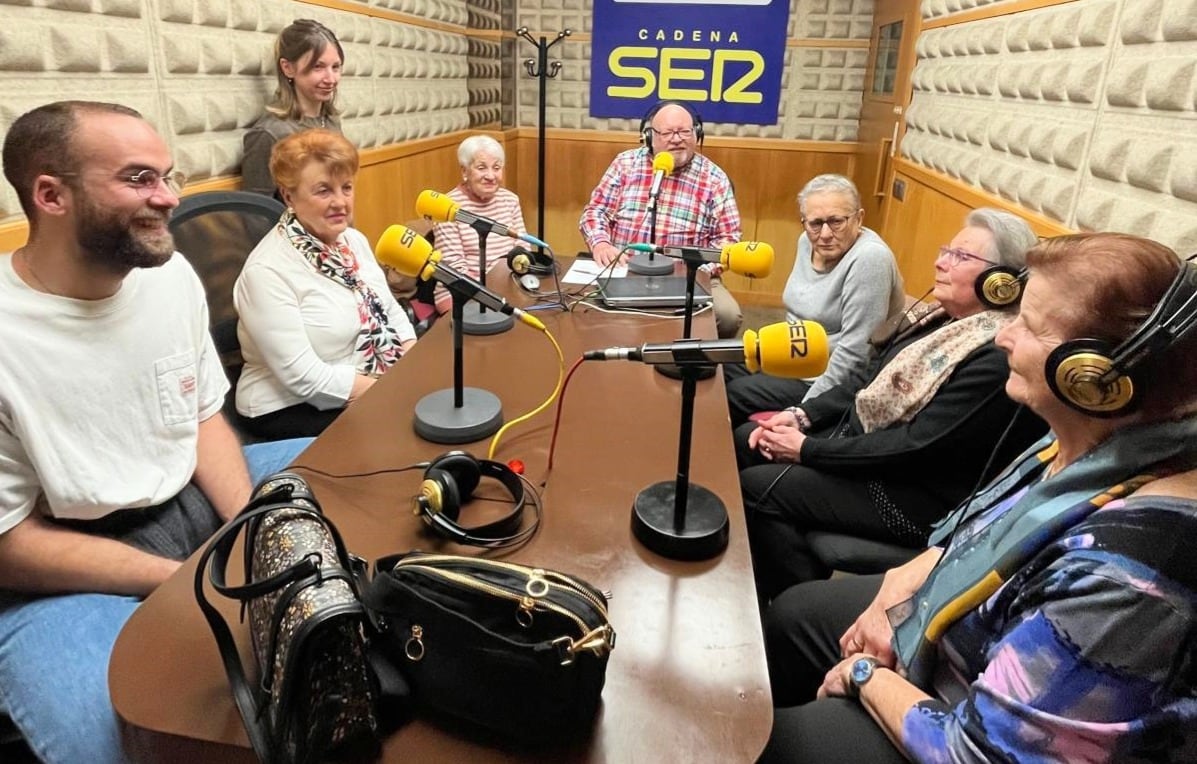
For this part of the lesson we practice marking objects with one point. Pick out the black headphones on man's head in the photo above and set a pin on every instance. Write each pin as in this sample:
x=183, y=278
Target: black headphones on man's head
x=1094, y=379
x=449, y=482
x=646, y=122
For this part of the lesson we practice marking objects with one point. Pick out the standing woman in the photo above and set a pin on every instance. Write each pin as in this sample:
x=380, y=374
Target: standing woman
x=481, y=192
x=309, y=60
x=316, y=321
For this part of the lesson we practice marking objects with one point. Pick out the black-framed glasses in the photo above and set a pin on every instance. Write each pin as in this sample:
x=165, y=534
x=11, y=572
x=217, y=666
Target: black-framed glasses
x=685, y=133
x=837, y=224
x=145, y=182
x=957, y=256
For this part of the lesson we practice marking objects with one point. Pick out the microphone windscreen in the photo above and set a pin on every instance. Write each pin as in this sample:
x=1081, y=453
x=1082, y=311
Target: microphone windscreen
x=753, y=259
x=406, y=251
x=663, y=162
x=433, y=205
x=797, y=350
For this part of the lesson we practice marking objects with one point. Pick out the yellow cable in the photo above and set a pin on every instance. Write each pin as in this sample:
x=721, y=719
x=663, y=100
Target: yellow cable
x=494, y=443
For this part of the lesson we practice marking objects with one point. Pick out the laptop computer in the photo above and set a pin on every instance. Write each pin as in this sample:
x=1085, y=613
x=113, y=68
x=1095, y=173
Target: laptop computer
x=648, y=292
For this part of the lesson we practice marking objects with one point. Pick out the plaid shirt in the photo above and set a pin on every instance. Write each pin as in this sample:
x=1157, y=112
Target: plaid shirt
x=696, y=206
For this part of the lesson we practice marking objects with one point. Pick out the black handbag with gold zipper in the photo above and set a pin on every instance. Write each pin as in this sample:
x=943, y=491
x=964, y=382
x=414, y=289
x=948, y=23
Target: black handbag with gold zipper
x=516, y=650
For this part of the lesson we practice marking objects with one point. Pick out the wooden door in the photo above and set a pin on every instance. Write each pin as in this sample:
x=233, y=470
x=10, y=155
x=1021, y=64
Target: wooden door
x=886, y=96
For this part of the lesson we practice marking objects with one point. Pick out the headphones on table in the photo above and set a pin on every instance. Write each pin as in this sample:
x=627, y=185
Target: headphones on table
x=646, y=126
x=450, y=481
x=1095, y=378
x=1000, y=286
x=521, y=261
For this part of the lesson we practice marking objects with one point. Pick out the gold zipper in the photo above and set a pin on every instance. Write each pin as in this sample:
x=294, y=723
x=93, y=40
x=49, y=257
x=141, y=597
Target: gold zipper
x=588, y=635
x=567, y=582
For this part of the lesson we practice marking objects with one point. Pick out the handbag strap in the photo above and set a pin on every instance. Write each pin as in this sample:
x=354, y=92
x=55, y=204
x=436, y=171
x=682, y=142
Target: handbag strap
x=217, y=552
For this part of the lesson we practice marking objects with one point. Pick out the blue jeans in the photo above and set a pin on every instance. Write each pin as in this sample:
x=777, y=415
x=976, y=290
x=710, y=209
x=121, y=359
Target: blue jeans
x=265, y=459
x=54, y=673
x=54, y=655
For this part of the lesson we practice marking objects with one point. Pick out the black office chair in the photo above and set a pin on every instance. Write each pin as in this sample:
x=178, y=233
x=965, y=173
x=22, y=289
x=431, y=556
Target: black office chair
x=216, y=231
x=852, y=554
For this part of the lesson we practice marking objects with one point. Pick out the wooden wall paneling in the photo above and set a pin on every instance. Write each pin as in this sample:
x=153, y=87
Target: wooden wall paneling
x=388, y=182
x=921, y=222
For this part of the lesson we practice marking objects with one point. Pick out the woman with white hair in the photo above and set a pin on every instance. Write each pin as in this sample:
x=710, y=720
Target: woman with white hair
x=846, y=279
x=481, y=192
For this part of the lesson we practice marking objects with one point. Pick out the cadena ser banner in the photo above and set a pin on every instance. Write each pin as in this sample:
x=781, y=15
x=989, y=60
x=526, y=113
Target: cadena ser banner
x=724, y=57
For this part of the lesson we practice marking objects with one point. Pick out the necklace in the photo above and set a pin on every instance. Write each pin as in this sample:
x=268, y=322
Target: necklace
x=41, y=285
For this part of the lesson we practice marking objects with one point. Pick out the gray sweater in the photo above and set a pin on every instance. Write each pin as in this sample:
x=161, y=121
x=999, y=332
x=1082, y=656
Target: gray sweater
x=260, y=138
x=861, y=290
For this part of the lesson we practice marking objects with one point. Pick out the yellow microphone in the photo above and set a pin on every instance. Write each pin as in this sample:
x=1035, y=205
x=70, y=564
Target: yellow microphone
x=753, y=259
x=439, y=208
x=798, y=349
x=662, y=166
x=412, y=255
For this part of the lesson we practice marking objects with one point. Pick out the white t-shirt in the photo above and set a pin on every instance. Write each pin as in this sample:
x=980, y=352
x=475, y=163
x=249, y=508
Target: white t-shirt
x=101, y=400
x=299, y=330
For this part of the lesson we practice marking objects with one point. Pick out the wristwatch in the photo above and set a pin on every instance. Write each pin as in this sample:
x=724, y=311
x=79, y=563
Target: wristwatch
x=860, y=673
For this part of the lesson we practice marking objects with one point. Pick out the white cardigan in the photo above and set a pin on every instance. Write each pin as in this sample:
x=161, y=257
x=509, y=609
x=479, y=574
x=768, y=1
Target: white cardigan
x=299, y=330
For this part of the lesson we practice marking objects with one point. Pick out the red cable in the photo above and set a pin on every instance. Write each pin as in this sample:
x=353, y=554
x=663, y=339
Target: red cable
x=560, y=405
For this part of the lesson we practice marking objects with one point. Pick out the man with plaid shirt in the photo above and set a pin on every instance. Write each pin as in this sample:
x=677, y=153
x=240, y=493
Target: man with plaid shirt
x=696, y=206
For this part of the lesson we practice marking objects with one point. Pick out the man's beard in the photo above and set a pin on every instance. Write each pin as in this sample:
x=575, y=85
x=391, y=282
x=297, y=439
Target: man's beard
x=116, y=244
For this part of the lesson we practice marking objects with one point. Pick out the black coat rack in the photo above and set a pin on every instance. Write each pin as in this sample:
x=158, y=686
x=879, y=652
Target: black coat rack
x=541, y=68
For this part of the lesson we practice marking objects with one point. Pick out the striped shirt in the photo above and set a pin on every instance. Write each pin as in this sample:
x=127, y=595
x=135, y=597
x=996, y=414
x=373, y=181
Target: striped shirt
x=696, y=206
x=458, y=242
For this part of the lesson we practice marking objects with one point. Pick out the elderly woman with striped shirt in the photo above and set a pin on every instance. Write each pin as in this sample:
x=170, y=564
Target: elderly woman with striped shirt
x=481, y=192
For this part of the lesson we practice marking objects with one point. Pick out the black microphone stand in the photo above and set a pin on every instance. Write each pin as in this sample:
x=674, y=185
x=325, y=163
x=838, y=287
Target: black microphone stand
x=475, y=318
x=647, y=264
x=543, y=70
x=681, y=520
x=459, y=414
x=674, y=371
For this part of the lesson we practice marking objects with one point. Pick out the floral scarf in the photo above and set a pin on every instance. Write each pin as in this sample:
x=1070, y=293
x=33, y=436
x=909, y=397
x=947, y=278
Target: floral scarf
x=378, y=342
x=912, y=377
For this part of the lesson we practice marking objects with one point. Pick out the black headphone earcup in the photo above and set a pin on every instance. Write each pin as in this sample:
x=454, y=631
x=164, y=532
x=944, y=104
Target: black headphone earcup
x=1074, y=371
x=444, y=492
x=999, y=287
x=463, y=468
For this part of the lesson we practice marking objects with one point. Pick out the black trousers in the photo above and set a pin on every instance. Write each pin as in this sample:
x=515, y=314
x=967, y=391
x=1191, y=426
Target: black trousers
x=802, y=631
x=749, y=393
x=785, y=502
x=302, y=420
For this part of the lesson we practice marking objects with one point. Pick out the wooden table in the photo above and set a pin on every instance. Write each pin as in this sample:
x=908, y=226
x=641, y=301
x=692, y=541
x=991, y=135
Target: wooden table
x=687, y=680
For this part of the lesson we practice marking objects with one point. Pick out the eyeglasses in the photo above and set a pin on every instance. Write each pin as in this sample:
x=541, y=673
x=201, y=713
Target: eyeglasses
x=837, y=224
x=957, y=256
x=145, y=182
x=684, y=133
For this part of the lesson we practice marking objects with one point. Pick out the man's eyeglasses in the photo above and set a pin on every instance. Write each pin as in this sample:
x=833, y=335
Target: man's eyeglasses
x=145, y=182
x=837, y=224
x=957, y=256
x=684, y=133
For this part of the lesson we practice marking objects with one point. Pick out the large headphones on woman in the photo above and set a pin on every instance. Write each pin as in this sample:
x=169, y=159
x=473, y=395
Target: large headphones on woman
x=450, y=481
x=1000, y=286
x=1095, y=378
x=646, y=122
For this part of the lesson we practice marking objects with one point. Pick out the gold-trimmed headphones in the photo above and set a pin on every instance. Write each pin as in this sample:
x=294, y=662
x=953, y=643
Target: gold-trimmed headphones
x=1000, y=286
x=1089, y=376
x=449, y=482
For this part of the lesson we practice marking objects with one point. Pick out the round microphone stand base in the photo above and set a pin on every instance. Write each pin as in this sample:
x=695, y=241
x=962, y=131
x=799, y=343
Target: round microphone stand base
x=478, y=322
x=437, y=420
x=703, y=532
x=645, y=264
x=673, y=371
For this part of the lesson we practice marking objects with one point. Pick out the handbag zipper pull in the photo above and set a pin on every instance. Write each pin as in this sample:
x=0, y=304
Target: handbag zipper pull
x=523, y=615
x=414, y=647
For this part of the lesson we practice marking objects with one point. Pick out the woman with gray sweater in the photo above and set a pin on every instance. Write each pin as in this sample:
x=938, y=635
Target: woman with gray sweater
x=844, y=278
